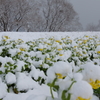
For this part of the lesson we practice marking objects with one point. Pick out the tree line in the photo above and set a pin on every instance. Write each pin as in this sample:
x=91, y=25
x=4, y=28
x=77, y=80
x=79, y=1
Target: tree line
x=38, y=16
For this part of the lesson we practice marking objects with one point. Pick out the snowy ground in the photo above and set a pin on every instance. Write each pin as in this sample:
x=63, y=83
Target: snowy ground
x=35, y=35
x=40, y=92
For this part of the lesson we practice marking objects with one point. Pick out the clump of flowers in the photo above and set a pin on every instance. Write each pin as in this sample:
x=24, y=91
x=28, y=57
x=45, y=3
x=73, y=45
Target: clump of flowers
x=70, y=67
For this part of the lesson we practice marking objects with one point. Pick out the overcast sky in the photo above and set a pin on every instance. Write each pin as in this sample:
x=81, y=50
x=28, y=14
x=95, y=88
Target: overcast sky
x=88, y=10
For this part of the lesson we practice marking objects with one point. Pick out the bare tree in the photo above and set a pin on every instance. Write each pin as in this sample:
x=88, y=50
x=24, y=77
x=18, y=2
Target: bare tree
x=98, y=26
x=54, y=15
x=91, y=27
x=44, y=15
x=13, y=15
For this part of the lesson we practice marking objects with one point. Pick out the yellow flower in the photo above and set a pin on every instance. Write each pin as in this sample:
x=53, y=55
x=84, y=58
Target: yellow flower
x=63, y=38
x=98, y=52
x=65, y=42
x=49, y=43
x=80, y=98
x=79, y=39
x=48, y=58
x=51, y=38
x=60, y=76
x=86, y=36
x=90, y=38
x=86, y=46
x=78, y=54
x=75, y=46
x=6, y=37
x=22, y=49
x=60, y=54
x=41, y=65
x=4, y=40
x=84, y=52
x=59, y=49
x=95, y=84
x=57, y=40
x=45, y=42
x=20, y=40
x=97, y=44
x=84, y=41
x=19, y=53
x=71, y=41
x=40, y=49
x=60, y=43
x=80, y=43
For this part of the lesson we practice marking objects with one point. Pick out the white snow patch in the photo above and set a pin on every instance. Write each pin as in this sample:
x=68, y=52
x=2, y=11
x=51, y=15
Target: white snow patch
x=10, y=78
x=25, y=82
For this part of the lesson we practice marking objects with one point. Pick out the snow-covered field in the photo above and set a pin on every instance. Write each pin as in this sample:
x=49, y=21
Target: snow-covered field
x=49, y=66
x=26, y=36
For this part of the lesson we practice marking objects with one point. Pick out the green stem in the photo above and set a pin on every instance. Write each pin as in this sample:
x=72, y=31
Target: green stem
x=65, y=91
x=71, y=85
x=51, y=92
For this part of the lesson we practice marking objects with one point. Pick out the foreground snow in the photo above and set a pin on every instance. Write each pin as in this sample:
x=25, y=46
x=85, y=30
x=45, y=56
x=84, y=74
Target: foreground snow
x=69, y=58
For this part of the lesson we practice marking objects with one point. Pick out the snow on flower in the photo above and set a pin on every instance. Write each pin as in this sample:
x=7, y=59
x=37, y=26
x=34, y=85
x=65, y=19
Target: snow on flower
x=62, y=67
x=94, y=97
x=25, y=82
x=98, y=49
x=20, y=65
x=81, y=90
x=10, y=78
x=3, y=90
x=64, y=64
x=36, y=73
x=91, y=74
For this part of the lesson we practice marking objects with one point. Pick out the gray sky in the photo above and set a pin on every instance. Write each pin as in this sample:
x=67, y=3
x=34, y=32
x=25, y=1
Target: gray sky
x=88, y=10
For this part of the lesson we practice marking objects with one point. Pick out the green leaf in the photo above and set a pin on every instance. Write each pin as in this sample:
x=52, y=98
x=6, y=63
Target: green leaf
x=0, y=63
x=65, y=91
x=49, y=84
x=64, y=95
x=1, y=72
x=15, y=66
x=53, y=83
x=56, y=87
x=69, y=96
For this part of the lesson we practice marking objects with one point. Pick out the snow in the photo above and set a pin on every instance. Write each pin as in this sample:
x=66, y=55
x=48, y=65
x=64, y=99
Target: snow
x=10, y=78
x=40, y=97
x=20, y=64
x=62, y=67
x=36, y=73
x=25, y=82
x=3, y=90
x=91, y=71
x=26, y=36
x=84, y=90
x=41, y=91
x=50, y=53
x=95, y=98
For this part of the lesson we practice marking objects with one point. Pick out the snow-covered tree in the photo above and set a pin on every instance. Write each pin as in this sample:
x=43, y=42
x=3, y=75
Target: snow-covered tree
x=54, y=15
x=13, y=15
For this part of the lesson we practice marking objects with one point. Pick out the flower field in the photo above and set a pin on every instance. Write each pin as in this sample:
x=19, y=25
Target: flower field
x=69, y=69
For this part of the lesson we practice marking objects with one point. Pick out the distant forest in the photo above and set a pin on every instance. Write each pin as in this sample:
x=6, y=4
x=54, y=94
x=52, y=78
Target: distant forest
x=40, y=16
